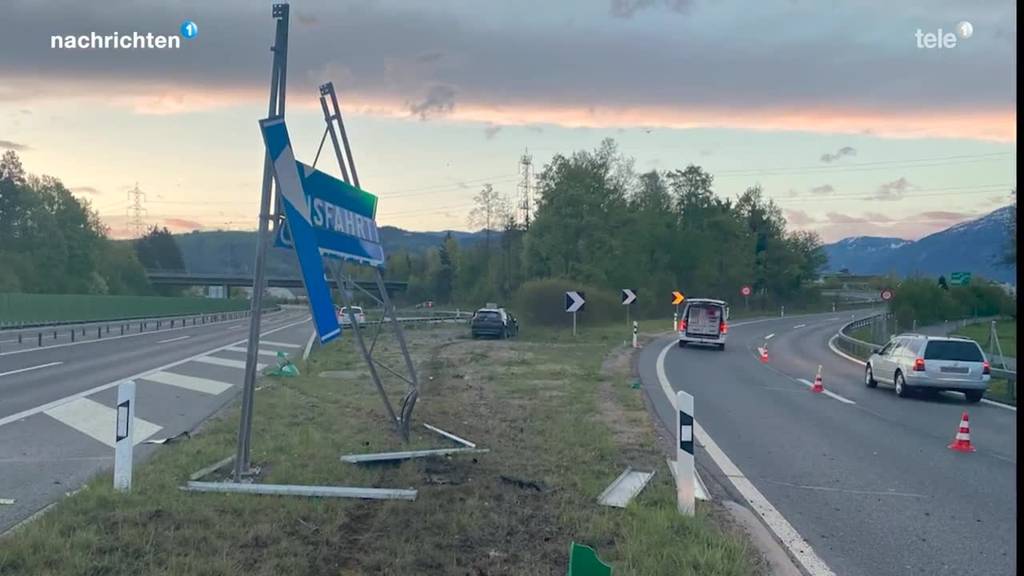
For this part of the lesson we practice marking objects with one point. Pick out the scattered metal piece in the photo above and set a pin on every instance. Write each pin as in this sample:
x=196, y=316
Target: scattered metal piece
x=170, y=440
x=450, y=436
x=625, y=487
x=525, y=484
x=700, y=491
x=386, y=456
x=211, y=468
x=295, y=490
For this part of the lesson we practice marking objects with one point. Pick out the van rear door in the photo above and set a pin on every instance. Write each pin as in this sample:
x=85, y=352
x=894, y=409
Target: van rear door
x=703, y=319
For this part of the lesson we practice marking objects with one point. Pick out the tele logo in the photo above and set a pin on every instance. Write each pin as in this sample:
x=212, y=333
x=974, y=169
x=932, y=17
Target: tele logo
x=941, y=39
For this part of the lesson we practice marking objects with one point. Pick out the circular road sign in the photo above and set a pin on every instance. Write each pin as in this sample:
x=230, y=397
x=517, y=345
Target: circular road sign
x=745, y=290
x=886, y=294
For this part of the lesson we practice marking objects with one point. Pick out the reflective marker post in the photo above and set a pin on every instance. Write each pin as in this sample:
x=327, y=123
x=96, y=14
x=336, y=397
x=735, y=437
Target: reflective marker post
x=685, y=481
x=635, y=326
x=123, y=433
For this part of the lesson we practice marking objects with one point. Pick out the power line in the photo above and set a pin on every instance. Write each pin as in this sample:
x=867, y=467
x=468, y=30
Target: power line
x=864, y=166
x=922, y=193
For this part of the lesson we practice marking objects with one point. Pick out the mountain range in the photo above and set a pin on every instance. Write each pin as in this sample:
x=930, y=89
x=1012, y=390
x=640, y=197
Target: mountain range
x=975, y=246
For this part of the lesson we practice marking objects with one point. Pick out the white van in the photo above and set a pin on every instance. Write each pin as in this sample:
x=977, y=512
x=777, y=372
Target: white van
x=704, y=321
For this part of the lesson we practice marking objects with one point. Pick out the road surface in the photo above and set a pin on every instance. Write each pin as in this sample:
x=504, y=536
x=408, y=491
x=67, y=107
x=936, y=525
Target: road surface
x=56, y=403
x=863, y=476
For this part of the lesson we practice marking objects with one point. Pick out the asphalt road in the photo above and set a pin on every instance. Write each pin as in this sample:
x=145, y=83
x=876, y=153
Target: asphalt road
x=56, y=403
x=863, y=476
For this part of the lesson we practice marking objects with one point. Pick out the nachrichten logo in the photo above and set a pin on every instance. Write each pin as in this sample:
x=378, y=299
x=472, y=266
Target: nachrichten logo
x=126, y=41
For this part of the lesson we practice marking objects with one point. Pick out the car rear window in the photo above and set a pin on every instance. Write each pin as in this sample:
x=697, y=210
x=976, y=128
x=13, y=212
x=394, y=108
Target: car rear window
x=952, y=350
x=488, y=315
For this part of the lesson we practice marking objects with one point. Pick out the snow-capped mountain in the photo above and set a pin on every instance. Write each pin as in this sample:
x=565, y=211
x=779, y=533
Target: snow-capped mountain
x=974, y=246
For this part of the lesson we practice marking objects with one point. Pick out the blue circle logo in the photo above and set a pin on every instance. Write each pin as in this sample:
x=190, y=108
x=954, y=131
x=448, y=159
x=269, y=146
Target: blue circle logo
x=189, y=30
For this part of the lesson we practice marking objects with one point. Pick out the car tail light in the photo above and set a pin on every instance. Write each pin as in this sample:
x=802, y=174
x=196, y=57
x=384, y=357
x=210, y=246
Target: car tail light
x=723, y=327
x=682, y=325
x=919, y=365
x=986, y=368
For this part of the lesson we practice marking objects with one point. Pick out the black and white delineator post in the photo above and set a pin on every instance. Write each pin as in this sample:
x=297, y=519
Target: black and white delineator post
x=278, y=77
x=347, y=285
x=635, y=328
x=123, y=434
x=685, y=478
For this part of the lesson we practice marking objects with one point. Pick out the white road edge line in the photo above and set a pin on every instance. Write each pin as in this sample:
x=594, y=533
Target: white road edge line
x=20, y=370
x=786, y=533
x=770, y=336
x=61, y=401
x=173, y=339
x=828, y=393
x=838, y=352
x=799, y=326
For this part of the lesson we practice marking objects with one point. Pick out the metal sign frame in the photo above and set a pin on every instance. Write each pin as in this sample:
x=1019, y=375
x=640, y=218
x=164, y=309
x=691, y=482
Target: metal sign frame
x=346, y=284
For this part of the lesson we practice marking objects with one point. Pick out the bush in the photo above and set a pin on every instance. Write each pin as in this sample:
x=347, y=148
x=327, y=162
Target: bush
x=542, y=302
x=922, y=299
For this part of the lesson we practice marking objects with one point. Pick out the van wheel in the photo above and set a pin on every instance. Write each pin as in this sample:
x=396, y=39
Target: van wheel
x=682, y=344
x=974, y=396
x=721, y=346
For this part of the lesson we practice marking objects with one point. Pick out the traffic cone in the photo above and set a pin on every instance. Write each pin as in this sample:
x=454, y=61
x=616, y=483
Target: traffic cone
x=818, y=387
x=763, y=351
x=962, y=442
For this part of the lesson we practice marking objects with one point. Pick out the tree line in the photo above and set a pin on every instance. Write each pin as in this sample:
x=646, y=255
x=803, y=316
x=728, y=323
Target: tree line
x=599, y=225
x=52, y=242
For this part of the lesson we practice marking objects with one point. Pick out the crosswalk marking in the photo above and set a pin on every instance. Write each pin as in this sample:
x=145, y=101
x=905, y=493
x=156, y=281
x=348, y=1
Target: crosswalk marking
x=262, y=352
x=204, y=385
x=227, y=362
x=98, y=421
x=281, y=344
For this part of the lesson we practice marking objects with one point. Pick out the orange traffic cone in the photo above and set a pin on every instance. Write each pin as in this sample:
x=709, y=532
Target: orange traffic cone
x=962, y=442
x=818, y=387
x=763, y=352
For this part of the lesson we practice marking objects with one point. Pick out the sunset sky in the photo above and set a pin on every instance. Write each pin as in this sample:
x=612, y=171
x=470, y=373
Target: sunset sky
x=830, y=106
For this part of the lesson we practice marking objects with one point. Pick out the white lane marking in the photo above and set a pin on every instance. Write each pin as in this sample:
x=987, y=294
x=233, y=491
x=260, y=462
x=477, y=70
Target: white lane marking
x=20, y=370
x=98, y=421
x=799, y=326
x=838, y=352
x=828, y=393
x=770, y=336
x=60, y=401
x=774, y=519
x=108, y=338
x=173, y=339
x=260, y=351
x=280, y=344
x=240, y=364
x=204, y=385
x=832, y=319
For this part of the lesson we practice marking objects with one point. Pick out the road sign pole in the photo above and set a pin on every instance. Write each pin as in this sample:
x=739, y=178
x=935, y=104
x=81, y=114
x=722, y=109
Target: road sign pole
x=685, y=481
x=123, y=433
x=278, y=81
x=573, y=323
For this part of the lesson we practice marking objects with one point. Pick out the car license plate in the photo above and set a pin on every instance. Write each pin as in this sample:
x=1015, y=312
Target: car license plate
x=954, y=370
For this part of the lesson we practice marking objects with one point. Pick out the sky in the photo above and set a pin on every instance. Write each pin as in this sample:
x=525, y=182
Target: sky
x=834, y=107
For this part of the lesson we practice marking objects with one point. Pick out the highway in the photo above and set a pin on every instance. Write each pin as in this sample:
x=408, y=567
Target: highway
x=863, y=476
x=56, y=403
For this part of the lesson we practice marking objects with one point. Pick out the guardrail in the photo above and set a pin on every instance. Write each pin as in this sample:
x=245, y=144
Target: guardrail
x=40, y=336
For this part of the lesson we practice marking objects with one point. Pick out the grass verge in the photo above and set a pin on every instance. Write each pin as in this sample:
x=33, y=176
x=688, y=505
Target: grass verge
x=1005, y=329
x=558, y=413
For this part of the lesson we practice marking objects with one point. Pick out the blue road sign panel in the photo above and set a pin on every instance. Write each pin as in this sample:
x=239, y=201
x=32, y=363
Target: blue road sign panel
x=343, y=218
x=299, y=215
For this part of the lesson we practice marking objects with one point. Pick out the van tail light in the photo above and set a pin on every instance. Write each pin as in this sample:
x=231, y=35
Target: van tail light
x=986, y=368
x=723, y=328
x=919, y=365
x=682, y=325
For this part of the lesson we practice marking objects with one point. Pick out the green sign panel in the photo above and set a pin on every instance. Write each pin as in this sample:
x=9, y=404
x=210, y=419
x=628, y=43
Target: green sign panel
x=960, y=278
